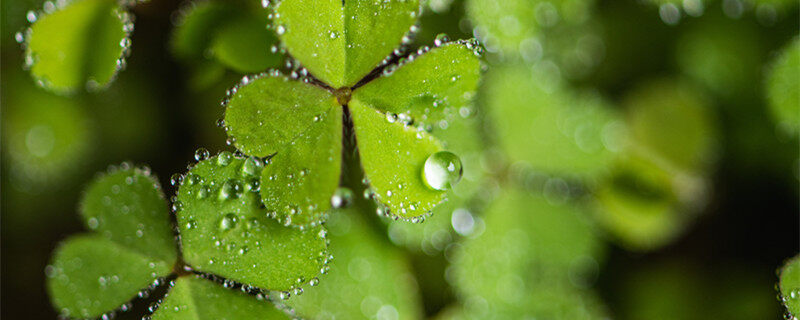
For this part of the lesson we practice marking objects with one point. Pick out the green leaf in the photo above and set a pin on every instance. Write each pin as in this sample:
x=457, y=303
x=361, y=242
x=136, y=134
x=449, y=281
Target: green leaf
x=722, y=54
x=368, y=277
x=91, y=275
x=127, y=206
x=393, y=155
x=226, y=231
x=301, y=178
x=639, y=207
x=230, y=32
x=782, y=88
x=671, y=125
x=194, y=298
x=78, y=45
x=790, y=286
x=547, y=127
x=433, y=85
x=269, y=113
x=340, y=42
x=522, y=263
x=195, y=28
x=244, y=45
x=512, y=25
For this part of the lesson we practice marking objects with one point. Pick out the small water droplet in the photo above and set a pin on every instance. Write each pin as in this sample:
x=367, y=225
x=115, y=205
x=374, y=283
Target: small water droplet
x=201, y=154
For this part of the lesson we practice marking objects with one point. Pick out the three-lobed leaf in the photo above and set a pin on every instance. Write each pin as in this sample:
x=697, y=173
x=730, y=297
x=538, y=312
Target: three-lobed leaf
x=225, y=230
x=78, y=45
x=195, y=298
x=132, y=246
x=340, y=42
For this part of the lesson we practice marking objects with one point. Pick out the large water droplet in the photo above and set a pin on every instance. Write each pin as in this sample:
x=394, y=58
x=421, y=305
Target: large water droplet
x=442, y=170
x=227, y=222
x=342, y=198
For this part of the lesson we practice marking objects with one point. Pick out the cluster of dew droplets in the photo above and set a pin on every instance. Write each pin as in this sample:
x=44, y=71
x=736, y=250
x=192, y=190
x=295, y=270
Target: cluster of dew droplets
x=233, y=189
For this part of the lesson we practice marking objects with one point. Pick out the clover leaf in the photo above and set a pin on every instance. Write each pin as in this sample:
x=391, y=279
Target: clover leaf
x=74, y=44
x=131, y=246
x=390, y=115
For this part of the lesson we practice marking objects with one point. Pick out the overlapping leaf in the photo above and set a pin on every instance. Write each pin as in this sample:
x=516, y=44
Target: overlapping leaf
x=232, y=33
x=194, y=298
x=80, y=44
x=226, y=231
x=131, y=248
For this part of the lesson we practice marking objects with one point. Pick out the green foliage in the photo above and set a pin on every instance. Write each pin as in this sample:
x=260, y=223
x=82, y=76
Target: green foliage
x=564, y=133
x=721, y=53
x=194, y=298
x=671, y=125
x=341, y=42
x=133, y=245
x=437, y=86
x=45, y=137
x=82, y=44
x=657, y=186
x=512, y=26
x=530, y=261
x=375, y=278
x=782, y=84
x=230, y=33
x=226, y=231
x=789, y=286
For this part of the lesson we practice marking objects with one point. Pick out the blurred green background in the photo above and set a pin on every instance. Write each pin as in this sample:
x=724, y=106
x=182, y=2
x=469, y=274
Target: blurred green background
x=625, y=159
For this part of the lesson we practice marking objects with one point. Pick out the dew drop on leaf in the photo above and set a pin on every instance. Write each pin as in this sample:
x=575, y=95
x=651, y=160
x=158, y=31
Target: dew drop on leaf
x=228, y=222
x=342, y=198
x=442, y=170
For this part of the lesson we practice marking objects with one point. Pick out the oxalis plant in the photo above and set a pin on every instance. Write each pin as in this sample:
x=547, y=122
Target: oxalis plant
x=355, y=115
